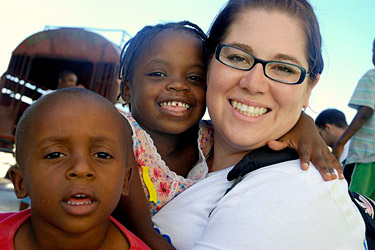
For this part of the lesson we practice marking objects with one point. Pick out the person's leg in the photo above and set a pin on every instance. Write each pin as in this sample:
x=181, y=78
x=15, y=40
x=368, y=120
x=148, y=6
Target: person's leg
x=363, y=179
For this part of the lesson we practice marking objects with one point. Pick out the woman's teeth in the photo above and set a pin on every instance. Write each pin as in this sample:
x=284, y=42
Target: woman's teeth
x=175, y=104
x=248, y=110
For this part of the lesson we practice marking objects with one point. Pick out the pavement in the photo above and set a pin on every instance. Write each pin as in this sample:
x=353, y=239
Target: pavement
x=8, y=200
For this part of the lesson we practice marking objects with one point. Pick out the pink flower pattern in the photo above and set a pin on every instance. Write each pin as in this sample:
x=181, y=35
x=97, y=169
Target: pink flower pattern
x=363, y=202
x=167, y=183
x=163, y=189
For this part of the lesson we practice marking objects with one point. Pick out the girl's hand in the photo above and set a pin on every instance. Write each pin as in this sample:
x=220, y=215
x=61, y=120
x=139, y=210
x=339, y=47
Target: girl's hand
x=304, y=138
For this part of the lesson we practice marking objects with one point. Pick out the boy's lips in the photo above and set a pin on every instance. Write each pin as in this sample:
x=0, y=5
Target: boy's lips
x=79, y=203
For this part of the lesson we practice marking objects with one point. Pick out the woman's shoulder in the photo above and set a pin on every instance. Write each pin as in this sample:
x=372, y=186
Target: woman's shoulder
x=288, y=177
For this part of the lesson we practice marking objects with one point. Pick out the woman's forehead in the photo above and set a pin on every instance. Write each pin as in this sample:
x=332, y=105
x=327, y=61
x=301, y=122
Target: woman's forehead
x=267, y=33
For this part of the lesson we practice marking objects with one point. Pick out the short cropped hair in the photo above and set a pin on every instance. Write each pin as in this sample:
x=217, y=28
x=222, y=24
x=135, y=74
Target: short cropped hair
x=331, y=116
x=26, y=122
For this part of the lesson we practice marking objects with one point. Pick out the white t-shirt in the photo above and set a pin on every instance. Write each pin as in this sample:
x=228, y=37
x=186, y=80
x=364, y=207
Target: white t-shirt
x=345, y=152
x=275, y=207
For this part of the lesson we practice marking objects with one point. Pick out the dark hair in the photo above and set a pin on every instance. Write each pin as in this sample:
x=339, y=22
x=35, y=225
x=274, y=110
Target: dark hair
x=300, y=9
x=132, y=49
x=64, y=73
x=331, y=116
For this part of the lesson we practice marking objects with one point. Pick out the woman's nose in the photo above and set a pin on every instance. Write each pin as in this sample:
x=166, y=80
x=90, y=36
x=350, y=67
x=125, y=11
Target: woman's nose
x=81, y=167
x=254, y=80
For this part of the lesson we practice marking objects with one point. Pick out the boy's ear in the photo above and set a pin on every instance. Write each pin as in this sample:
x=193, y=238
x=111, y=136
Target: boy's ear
x=16, y=176
x=126, y=92
x=127, y=178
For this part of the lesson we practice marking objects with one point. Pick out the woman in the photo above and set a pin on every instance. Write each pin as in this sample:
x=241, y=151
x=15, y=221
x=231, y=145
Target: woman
x=265, y=59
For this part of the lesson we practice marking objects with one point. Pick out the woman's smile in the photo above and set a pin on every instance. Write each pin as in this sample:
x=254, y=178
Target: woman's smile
x=248, y=110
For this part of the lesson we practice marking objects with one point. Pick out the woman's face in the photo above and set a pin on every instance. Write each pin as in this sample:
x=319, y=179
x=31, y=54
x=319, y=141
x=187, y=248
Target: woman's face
x=269, y=36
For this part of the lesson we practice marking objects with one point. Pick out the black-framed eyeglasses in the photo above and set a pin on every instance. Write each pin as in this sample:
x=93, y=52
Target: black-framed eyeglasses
x=240, y=59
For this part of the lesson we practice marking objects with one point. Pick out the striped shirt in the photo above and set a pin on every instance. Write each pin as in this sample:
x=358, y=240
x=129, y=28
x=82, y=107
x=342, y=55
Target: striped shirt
x=362, y=145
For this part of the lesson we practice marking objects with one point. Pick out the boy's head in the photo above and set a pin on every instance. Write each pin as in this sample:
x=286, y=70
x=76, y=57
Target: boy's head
x=331, y=123
x=72, y=149
x=163, y=71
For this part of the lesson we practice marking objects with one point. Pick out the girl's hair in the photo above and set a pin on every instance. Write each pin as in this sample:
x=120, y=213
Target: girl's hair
x=133, y=48
x=300, y=9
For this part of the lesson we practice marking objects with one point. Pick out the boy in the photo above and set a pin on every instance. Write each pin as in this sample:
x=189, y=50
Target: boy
x=70, y=148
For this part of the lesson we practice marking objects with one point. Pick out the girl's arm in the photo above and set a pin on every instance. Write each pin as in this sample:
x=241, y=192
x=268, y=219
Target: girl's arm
x=304, y=138
x=133, y=212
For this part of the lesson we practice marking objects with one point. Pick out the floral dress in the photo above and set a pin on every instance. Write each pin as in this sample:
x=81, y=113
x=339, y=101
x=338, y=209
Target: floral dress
x=159, y=182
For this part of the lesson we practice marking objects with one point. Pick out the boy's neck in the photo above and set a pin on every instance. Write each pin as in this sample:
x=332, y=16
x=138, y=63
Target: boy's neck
x=34, y=235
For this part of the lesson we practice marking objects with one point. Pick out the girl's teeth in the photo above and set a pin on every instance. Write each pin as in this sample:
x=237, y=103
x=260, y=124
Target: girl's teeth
x=175, y=104
x=248, y=110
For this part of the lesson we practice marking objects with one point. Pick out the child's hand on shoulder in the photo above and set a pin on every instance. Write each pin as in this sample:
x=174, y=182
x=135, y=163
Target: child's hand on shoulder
x=305, y=139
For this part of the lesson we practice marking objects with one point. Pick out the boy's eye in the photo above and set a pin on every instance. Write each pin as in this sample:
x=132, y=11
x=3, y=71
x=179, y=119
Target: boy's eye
x=156, y=74
x=53, y=155
x=103, y=155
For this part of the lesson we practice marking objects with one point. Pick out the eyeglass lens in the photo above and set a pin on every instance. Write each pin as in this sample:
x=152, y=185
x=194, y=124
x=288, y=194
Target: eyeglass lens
x=275, y=70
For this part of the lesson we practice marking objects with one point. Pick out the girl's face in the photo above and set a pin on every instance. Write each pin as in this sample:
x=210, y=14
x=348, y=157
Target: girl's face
x=277, y=106
x=168, y=87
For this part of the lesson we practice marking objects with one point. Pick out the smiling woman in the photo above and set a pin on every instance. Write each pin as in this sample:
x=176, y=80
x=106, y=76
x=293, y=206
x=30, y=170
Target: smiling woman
x=227, y=84
x=264, y=60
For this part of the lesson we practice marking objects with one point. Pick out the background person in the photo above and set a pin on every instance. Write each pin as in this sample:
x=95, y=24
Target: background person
x=361, y=132
x=67, y=79
x=331, y=124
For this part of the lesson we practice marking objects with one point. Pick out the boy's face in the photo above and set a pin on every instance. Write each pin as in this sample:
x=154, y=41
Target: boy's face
x=168, y=88
x=74, y=165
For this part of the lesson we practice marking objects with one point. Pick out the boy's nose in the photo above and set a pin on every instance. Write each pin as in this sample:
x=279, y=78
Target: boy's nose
x=81, y=168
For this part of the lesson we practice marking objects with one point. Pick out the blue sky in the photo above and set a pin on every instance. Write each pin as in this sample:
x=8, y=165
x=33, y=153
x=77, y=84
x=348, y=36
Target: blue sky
x=348, y=29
